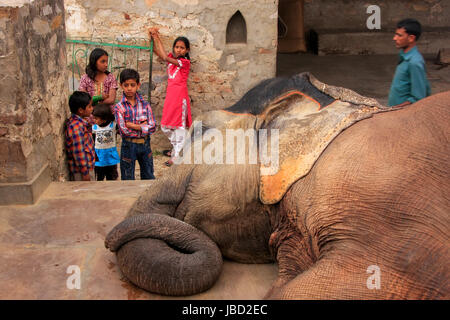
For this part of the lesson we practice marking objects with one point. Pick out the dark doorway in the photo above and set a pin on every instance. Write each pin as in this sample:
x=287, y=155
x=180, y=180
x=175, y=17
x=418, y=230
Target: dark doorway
x=291, y=33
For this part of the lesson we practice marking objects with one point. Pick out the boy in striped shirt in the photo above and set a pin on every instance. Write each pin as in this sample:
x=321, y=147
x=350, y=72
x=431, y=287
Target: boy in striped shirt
x=136, y=123
x=79, y=143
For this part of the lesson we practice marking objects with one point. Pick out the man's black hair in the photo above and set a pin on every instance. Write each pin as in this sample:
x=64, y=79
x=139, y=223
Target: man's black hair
x=411, y=26
x=79, y=99
x=103, y=111
x=128, y=74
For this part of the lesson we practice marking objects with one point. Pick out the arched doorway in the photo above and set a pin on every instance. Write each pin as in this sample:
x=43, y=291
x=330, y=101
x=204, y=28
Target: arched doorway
x=236, y=29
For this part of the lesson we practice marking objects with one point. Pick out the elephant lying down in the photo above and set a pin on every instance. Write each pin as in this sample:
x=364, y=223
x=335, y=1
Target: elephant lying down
x=370, y=197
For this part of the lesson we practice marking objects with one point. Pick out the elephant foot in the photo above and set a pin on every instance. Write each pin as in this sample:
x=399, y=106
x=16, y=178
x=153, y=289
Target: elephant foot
x=164, y=255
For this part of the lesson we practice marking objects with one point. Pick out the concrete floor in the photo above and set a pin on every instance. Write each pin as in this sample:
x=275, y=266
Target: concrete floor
x=68, y=224
x=67, y=227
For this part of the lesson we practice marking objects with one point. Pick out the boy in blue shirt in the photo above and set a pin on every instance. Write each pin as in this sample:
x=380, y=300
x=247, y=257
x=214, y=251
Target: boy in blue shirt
x=410, y=82
x=104, y=133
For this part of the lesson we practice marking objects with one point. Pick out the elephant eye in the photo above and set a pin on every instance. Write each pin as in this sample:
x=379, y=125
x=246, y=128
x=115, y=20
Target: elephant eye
x=195, y=133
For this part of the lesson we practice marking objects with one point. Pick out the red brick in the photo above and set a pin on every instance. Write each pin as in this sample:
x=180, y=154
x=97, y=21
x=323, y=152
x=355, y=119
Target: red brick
x=56, y=22
x=196, y=79
x=3, y=131
x=264, y=51
x=199, y=88
x=20, y=119
x=226, y=89
x=17, y=119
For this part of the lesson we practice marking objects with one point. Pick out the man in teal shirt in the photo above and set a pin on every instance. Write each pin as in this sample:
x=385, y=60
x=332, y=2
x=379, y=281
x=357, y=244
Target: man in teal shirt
x=410, y=82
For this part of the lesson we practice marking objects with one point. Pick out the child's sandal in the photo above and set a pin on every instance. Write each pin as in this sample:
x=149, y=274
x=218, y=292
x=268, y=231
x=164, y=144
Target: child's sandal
x=167, y=153
x=168, y=163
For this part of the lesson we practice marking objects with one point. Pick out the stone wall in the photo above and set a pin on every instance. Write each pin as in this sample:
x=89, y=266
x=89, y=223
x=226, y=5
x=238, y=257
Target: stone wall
x=351, y=15
x=33, y=97
x=341, y=25
x=221, y=73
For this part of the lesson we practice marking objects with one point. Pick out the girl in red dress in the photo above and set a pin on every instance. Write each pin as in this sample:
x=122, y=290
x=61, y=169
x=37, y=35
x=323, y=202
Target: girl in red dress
x=176, y=117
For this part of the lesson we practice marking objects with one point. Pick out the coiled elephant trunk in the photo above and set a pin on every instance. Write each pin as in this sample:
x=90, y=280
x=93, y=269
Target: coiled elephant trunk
x=164, y=255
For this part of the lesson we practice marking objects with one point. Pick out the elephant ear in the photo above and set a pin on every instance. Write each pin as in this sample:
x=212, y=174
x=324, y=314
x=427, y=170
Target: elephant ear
x=300, y=122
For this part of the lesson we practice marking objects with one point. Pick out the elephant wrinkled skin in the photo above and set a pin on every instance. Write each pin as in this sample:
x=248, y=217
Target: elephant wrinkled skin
x=377, y=197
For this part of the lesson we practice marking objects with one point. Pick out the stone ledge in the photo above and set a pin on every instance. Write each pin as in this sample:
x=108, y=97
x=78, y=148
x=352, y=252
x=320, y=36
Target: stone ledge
x=25, y=192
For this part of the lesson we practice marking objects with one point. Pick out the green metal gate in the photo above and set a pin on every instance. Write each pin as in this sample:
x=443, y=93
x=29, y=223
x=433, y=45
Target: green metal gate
x=130, y=53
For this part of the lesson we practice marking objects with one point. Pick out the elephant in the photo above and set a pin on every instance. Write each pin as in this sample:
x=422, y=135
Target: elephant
x=356, y=207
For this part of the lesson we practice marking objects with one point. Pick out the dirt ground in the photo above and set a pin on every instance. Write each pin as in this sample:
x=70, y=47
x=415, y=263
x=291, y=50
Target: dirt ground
x=158, y=163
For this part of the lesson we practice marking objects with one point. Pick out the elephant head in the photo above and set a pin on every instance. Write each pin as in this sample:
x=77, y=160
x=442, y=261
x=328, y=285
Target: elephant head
x=236, y=198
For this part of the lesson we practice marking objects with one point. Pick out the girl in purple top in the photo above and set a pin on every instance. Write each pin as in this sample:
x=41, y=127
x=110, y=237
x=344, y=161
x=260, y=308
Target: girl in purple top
x=98, y=81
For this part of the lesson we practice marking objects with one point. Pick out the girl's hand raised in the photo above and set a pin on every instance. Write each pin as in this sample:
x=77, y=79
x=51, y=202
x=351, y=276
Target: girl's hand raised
x=153, y=32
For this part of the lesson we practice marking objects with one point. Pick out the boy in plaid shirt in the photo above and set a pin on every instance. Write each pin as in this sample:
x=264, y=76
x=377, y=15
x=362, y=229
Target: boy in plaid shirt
x=79, y=143
x=136, y=123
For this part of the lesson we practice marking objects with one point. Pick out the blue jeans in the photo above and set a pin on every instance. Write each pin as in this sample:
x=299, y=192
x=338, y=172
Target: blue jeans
x=129, y=153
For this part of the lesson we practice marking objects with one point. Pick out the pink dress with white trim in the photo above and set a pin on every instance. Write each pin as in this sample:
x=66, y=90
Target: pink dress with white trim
x=89, y=85
x=177, y=106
